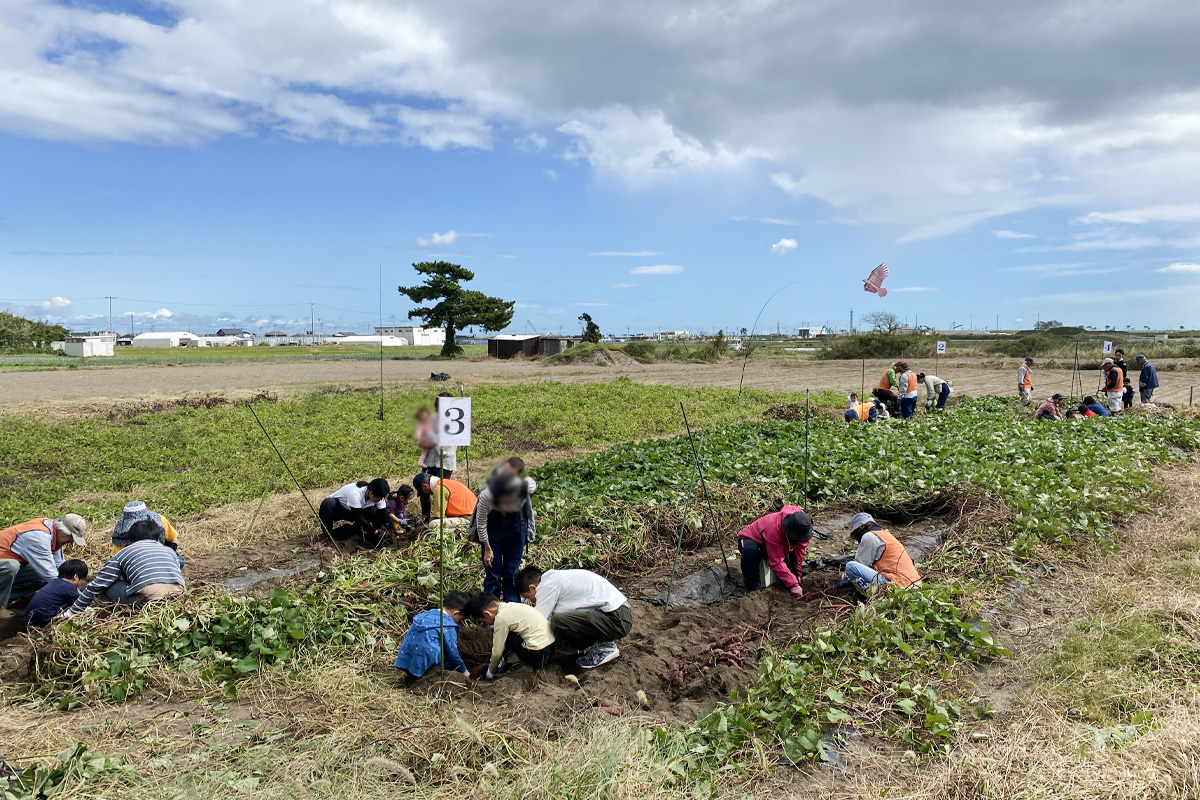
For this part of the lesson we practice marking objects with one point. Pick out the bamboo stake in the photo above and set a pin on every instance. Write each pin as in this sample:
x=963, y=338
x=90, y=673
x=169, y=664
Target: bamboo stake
x=704, y=485
x=687, y=506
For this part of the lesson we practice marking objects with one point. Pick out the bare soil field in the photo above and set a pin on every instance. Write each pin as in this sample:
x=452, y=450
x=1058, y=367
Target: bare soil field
x=70, y=387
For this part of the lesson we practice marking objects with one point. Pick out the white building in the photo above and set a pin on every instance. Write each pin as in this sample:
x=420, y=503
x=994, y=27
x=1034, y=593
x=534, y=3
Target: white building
x=672, y=335
x=387, y=341
x=166, y=339
x=218, y=340
x=415, y=335
x=812, y=333
x=90, y=346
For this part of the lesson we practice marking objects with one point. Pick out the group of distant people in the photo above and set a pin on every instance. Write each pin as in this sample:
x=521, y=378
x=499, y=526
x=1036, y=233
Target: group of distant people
x=897, y=395
x=1116, y=389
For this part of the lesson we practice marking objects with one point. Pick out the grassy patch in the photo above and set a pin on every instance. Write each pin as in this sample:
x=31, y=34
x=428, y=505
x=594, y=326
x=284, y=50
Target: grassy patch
x=176, y=356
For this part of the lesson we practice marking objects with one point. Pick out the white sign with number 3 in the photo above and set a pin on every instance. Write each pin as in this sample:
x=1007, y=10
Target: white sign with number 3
x=454, y=422
x=941, y=348
x=1107, y=348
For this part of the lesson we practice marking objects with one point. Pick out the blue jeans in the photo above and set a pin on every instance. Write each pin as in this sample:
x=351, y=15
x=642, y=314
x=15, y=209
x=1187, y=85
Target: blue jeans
x=943, y=395
x=752, y=555
x=506, y=535
x=863, y=577
x=908, y=407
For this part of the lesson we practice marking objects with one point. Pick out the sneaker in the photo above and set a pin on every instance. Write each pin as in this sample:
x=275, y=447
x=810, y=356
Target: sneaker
x=597, y=654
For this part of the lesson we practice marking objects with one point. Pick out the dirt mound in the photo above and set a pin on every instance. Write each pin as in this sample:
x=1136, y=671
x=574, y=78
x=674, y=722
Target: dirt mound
x=601, y=357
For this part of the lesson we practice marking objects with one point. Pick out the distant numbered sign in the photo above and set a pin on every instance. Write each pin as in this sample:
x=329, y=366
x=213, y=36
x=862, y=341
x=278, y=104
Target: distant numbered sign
x=1107, y=348
x=941, y=351
x=454, y=422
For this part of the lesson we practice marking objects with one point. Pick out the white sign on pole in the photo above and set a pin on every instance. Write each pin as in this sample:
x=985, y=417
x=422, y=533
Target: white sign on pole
x=454, y=422
x=1107, y=348
x=941, y=351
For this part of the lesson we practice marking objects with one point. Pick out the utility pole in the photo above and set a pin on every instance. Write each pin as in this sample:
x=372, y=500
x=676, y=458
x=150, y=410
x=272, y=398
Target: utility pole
x=852, y=320
x=997, y=323
x=312, y=321
x=130, y=323
x=110, y=323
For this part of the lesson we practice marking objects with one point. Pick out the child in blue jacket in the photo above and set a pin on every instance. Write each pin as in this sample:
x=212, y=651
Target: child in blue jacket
x=419, y=652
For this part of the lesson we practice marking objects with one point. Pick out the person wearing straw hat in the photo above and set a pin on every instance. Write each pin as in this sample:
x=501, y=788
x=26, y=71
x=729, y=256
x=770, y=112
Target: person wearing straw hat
x=31, y=553
x=1114, y=385
x=880, y=558
x=135, y=511
x=782, y=539
x=1147, y=380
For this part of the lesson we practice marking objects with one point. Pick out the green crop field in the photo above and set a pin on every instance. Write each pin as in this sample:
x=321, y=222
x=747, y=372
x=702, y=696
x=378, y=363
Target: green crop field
x=1020, y=496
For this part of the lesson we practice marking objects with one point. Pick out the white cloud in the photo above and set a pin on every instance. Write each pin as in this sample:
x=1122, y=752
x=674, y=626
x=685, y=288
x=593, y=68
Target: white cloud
x=1187, y=212
x=526, y=305
x=439, y=130
x=634, y=253
x=551, y=174
x=1182, y=267
x=1012, y=235
x=438, y=239
x=657, y=269
x=915, y=289
x=593, y=304
x=531, y=142
x=56, y=306
x=783, y=246
x=623, y=286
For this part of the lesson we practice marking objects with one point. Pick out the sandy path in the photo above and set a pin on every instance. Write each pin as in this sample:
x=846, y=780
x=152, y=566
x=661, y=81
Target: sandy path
x=63, y=387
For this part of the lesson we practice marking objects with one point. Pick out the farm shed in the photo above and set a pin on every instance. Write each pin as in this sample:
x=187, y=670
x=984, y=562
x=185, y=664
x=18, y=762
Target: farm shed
x=553, y=345
x=274, y=338
x=166, y=339
x=512, y=345
x=89, y=346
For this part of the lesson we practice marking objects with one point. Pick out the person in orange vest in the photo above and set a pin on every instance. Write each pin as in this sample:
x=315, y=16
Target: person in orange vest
x=880, y=558
x=31, y=553
x=861, y=412
x=908, y=390
x=888, y=383
x=1025, y=383
x=448, y=498
x=1114, y=385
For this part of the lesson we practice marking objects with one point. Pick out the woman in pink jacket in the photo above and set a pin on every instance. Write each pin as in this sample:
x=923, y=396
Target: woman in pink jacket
x=782, y=538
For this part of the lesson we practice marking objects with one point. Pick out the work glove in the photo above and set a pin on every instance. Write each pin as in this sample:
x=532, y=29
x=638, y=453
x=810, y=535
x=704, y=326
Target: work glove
x=490, y=675
x=796, y=591
x=479, y=671
x=928, y=404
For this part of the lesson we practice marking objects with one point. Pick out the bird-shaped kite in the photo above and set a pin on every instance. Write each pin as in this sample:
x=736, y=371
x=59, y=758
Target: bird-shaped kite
x=874, y=281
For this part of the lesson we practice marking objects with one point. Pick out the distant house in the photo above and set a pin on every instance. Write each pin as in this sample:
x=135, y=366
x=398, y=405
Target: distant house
x=125, y=340
x=672, y=335
x=275, y=338
x=232, y=332
x=89, y=346
x=166, y=339
x=414, y=334
x=553, y=345
x=812, y=333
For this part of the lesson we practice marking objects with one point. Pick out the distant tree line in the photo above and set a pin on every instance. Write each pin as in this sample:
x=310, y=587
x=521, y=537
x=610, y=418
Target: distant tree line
x=21, y=335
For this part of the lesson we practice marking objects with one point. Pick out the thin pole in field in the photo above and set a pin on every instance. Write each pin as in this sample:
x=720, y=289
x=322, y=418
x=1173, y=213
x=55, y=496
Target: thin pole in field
x=704, y=485
x=863, y=389
x=467, y=449
x=807, y=414
x=441, y=566
x=381, y=343
x=292, y=475
x=687, y=506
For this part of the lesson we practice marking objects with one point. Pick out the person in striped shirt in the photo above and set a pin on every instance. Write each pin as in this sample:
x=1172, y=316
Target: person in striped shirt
x=144, y=571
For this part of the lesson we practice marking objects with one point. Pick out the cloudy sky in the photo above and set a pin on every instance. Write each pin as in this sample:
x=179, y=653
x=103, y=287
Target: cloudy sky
x=656, y=164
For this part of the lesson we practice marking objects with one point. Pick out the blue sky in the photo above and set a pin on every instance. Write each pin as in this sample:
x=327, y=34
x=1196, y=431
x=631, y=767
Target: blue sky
x=220, y=164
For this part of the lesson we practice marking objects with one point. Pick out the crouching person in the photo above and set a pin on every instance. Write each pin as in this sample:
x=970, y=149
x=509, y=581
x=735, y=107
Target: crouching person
x=516, y=629
x=31, y=552
x=363, y=503
x=58, y=595
x=880, y=558
x=144, y=571
x=782, y=539
x=432, y=639
x=585, y=610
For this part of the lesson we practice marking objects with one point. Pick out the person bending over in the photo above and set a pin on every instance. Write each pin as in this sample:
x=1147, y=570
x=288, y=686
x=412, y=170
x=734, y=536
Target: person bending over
x=432, y=638
x=363, y=503
x=585, y=610
x=516, y=628
x=880, y=558
x=782, y=539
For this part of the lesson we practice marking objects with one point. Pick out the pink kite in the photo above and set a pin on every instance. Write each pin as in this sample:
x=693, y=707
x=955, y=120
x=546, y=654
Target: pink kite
x=874, y=281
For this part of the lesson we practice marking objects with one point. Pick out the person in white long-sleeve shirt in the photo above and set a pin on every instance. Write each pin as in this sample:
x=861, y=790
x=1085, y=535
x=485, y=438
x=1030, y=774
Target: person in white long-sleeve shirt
x=584, y=609
x=936, y=390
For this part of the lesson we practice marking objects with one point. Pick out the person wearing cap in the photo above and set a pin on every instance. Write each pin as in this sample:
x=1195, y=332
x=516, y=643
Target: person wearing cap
x=448, y=498
x=1051, y=408
x=936, y=390
x=134, y=511
x=782, y=538
x=362, y=503
x=144, y=571
x=31, y=553
x=888, y=383
x=1147, y=380
x=908, y=390
x=1114, y=385
x=1025, y=383
x=880, y=558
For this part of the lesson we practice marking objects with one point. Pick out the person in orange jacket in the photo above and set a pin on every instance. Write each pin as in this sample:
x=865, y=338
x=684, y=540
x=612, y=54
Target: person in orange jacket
x=880, y=558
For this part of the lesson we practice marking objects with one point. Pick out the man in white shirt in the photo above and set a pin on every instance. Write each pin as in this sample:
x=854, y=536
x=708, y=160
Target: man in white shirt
x=364, y=504
x=936, y=390
x=585, y=610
